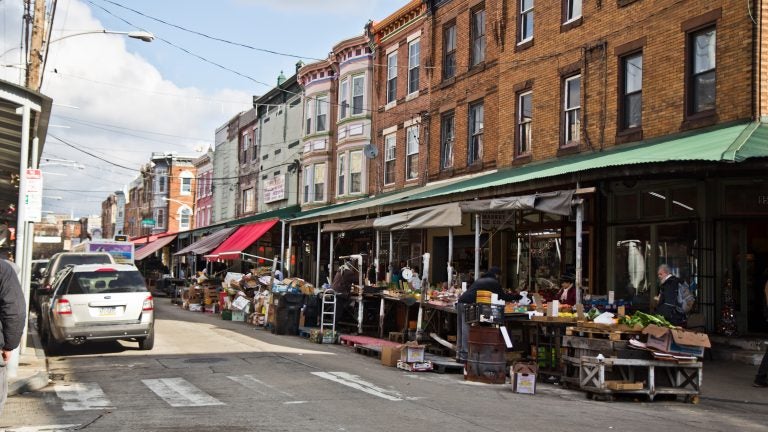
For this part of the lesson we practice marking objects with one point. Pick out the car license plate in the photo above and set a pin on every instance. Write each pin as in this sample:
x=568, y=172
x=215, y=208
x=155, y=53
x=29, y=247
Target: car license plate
x=107, y=311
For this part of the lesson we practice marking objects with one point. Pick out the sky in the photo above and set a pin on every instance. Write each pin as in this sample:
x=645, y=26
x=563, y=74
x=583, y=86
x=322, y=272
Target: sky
x=117, y=100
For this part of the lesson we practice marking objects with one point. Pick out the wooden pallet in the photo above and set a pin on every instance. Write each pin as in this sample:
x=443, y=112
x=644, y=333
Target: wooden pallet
x=597, y=333
x=369, y=350
x=442, y=364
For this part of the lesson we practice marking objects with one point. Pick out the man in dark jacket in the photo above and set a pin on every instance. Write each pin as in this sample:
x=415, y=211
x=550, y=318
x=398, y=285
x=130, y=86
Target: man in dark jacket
x=13, y=312
x=487, y=282
x=667, y=299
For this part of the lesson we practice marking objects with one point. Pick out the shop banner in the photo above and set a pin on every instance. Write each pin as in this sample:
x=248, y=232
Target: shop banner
x=274, y=189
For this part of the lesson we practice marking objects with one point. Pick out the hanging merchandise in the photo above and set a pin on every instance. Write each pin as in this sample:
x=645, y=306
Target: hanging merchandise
x=727, y=324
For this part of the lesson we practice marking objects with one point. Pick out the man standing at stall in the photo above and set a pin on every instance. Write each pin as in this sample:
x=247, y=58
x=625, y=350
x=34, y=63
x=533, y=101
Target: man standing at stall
x=667, y=298
x=487, y=282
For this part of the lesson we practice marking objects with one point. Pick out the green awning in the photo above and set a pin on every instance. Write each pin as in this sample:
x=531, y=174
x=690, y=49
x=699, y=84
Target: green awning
x=283, y=214
x=734, y=143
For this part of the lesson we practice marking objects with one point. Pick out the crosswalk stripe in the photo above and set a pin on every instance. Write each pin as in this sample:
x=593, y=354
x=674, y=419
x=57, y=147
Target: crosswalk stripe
x=82, y=396
x=46, y=428
x=178, y=392
x=355, y=382
x=253, y=379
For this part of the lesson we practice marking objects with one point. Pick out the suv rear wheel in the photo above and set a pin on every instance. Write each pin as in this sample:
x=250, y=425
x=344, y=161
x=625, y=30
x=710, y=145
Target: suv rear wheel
x=148, y=342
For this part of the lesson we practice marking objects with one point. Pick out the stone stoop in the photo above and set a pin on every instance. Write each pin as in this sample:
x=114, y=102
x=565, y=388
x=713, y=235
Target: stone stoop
x=746, y=350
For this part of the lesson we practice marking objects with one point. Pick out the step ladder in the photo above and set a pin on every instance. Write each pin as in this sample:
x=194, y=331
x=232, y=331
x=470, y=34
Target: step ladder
x=328, y=315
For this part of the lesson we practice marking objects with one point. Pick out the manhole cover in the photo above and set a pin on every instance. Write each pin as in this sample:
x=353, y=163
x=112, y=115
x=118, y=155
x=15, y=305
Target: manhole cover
x=205, y=360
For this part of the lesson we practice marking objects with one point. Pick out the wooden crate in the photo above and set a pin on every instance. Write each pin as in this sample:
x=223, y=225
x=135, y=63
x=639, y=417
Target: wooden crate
x=602, y=333
x=623, y=385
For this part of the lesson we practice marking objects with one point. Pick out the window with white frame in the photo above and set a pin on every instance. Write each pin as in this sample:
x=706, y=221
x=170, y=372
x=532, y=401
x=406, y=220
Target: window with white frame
x=526, y=21
x=343, y=98
x=390, y=147
x=356, y=172
x=160, y=218
x=477, y=34
x=184, y=218
x=631, y=108
x=308, y=112
x=524, y=123
x=412, y=153
x=321, y=118
x=307, y=183
x=572, y=110
x=701, y=87
x=246, y=144
x=476, y=121
x=572, y=9
x=256, y=139
x=319, y=181
x=413, y=65
x=392, y=77
x=342, y=170
x=358, y=92
x=162, y=179
x=186, y=183
x=447, y=138
x=249, y=200
x=449, y=49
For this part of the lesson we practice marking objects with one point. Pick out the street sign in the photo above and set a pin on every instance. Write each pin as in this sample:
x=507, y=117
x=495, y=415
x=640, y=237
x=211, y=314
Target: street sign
x=33, y=198
x=148, y=222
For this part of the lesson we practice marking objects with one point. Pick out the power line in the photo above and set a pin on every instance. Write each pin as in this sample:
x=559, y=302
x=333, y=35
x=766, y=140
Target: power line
x=92, y=123
x=91, y=154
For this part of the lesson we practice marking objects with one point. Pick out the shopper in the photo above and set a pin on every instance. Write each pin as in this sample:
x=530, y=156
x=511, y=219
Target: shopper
x=567, y=293
x=487, y=282
x=13, y=311
x=761, y=379
x=667, y=299
x=278, y=273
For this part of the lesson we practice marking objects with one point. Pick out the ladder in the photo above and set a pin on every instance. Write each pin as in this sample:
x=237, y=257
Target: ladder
x=328, y=315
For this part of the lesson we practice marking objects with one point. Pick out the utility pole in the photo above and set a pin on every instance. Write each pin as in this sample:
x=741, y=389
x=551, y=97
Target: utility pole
x=36, y=46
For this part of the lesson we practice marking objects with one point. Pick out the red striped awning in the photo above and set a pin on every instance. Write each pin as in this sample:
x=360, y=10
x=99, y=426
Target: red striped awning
x=240, y=240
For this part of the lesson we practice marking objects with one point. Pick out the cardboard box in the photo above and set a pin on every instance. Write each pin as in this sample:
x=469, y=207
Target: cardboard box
x=676, y=341
x=412, y=353
x=523, y=376
x=390, y=355
x=423, y=366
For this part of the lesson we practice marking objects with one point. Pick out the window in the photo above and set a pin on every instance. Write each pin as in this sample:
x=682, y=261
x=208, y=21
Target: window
x=475, y=145
x=343, y=96
x=413, y=66
x=249, y=200
x=631, y=91
x=572, y=10
x=447, y=137
x=478, y=37
x=392, y=77
x=256, y=140
x=186, y=183
x=358, y=90
x=524, y=123
x=572, y=110
x=390, y=142
x=319, y=181
x=162, y=179
x=449, y=51
x=412, y=153
x=526, y=21
x=356, y=172
x=160, y=218
x=308, y=110
x=184, y=218
x=307, y=183
x=322, y=113
x=246, y=144
x=702, y=67
x=342, y=170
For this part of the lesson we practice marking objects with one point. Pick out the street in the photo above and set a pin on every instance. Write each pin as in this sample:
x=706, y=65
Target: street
x=206, y=374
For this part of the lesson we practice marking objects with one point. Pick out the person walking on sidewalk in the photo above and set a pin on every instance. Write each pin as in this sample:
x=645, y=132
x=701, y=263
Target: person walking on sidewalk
x=13, y=312
x=761, y=379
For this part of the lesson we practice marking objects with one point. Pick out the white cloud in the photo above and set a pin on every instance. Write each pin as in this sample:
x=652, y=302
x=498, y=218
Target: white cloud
x=109, y=85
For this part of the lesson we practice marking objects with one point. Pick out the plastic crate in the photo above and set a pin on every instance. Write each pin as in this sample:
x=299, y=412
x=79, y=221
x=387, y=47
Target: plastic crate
x=484, y=313
x=238, y=315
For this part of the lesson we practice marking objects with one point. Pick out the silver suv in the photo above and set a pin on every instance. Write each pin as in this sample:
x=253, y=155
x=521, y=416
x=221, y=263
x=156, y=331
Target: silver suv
x=98, y=302
x=58, y=262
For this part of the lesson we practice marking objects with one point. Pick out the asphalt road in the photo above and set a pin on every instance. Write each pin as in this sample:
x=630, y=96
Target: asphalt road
x=207, y=374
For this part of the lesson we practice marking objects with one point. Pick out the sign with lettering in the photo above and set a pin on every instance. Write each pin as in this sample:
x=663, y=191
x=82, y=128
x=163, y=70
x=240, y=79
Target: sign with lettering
x=274, y=189
x=494, y=221
x=33, y=197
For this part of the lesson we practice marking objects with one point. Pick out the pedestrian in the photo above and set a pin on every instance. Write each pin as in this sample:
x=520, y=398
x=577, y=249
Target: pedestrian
x=667, y=299
x=567, y=293
x=761, y=379
x=487, y=282
x=278, y=273
x=13, y=311
x=372, y=274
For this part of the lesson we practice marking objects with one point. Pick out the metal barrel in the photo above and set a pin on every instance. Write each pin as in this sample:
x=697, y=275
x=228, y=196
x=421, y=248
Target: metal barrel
x=486, y=359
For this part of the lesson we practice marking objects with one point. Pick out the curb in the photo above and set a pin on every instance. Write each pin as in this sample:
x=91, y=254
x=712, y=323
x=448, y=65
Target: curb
x=39, y=378
x=35, y=382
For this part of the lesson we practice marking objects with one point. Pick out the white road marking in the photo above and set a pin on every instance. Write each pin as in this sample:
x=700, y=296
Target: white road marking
x=294, y=402
x=356, y=383
x=82, y=396
x=253, y=379
x=178, y=392
x=46, y=428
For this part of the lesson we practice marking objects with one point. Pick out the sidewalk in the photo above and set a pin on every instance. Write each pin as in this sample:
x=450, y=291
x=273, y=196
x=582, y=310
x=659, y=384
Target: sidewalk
x=32, y=373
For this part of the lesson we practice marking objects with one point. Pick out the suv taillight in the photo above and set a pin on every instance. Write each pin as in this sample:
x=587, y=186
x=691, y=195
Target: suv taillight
x=63, y=307
x=149, y=304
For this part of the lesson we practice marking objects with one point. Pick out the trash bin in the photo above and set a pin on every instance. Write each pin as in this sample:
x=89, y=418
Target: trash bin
x=287, y=313
x=311, y=311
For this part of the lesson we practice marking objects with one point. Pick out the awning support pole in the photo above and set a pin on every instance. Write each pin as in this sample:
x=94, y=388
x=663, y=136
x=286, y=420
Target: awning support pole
x=391, y=257
x=317, y=259
x=450, y=257
x=330, y=256
x=376, y=258
x=287, y=263
x=282, y=246
x=579, y=221
x=424, y=290
x=477, y=246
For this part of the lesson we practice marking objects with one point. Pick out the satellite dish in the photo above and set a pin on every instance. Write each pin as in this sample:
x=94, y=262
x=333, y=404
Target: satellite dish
x=370, y=151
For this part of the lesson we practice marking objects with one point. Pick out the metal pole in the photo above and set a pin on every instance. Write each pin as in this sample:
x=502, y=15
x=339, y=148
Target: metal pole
x=579, y=221
x=391, y=257
x=330, y=256
x=317, y=259
x=376, y=258
x=21, y=228
x=282, y=247
x=477, y=246
x=287, y=263
x=450, y=257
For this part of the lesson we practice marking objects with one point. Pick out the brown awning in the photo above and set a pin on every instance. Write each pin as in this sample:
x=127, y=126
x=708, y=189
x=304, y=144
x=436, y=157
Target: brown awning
x=348, y=226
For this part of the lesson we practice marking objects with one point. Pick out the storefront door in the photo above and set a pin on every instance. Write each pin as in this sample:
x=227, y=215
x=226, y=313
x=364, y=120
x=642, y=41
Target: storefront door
x=745, y=266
